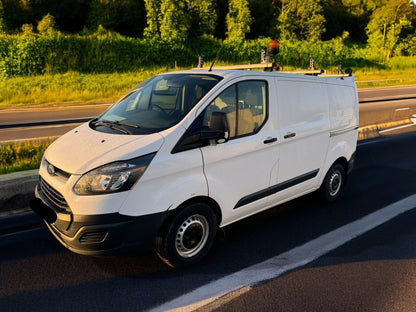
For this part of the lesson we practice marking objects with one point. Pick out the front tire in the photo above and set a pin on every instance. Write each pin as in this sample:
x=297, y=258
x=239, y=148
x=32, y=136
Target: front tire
x=188, y=237
x=333, y=184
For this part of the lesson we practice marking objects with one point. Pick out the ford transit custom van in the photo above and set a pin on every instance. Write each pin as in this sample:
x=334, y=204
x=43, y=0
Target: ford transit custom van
x=185, y=153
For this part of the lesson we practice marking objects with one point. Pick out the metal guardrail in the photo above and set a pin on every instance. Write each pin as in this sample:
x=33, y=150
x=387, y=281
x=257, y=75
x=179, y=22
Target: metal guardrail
x=85, y=119
x=388, y=99
x=10, y=125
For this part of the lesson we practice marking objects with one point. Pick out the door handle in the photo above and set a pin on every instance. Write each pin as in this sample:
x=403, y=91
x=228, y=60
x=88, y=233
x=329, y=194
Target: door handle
x=289, y=135
x=270, y=140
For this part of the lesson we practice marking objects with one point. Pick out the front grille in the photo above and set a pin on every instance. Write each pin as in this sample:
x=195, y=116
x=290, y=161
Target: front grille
x=54, y=197
x=93, y=237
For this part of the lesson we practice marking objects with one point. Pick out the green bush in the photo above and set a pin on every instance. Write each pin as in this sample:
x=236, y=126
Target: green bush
x=106, y=52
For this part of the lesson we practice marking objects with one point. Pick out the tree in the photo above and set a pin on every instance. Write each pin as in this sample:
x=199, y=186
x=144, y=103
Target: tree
x=386, y=26
x=238, y=20
x=124, y=16
x=203, y=17
x=264, y=15
x=153, y=16
x=302, y=20
x=175, y=22
x=180, y=19
x=2, y=21
x=47, y=25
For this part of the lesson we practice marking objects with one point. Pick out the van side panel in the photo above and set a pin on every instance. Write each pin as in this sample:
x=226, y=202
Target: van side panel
x=343, y=103
x=303, y=114
x=170, y=180
x=343, y=107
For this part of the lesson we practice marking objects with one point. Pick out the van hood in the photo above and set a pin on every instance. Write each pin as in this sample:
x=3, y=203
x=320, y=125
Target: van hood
x=83, y=149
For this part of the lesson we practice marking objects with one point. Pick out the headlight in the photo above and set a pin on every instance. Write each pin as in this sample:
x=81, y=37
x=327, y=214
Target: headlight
x=115, y=177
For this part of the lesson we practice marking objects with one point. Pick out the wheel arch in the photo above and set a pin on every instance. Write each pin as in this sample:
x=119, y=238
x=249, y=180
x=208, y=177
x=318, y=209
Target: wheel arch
x=344, y=163
x=198, y=199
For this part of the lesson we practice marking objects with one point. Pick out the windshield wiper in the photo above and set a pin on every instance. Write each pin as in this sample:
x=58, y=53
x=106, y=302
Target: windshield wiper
x=109, y=124
x=125, y=124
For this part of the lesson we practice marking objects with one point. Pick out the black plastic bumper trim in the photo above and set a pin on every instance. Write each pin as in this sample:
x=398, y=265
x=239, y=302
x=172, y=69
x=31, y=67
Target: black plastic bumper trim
x=104, y=234
x=275, y=188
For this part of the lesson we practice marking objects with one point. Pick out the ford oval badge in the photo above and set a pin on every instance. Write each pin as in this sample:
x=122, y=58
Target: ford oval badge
x=51, y=170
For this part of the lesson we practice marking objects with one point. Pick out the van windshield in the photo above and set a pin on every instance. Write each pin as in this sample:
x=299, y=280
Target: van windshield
x=155, y=105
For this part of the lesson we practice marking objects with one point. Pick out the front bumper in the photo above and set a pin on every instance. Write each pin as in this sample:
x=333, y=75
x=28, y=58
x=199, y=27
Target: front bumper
x=104, y=234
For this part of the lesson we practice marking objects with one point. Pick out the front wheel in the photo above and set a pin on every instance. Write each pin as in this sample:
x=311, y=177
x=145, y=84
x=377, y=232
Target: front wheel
x=188, y=237
x=333, y=184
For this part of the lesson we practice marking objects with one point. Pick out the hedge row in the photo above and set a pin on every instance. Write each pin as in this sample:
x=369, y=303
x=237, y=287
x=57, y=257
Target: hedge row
x=33, y=54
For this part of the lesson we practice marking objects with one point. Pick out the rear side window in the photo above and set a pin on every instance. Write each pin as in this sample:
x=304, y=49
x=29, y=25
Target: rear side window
x=245, y=104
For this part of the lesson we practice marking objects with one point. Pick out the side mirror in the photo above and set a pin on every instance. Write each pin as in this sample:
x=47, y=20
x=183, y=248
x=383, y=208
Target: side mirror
x=219, y=129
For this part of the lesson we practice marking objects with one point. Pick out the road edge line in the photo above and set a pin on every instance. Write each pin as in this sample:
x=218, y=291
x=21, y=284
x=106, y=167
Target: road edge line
x=286, y=261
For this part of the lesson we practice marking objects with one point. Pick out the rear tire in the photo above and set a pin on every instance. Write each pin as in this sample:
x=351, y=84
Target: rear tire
x=188, y=237
x=333, y=184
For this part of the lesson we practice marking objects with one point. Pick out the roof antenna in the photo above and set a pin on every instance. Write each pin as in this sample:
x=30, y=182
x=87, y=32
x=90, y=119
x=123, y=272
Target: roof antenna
x=216, y=56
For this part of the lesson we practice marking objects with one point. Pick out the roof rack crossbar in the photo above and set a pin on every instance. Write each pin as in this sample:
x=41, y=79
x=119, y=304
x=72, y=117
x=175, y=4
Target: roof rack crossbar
x=313, y=72
x=248, y=66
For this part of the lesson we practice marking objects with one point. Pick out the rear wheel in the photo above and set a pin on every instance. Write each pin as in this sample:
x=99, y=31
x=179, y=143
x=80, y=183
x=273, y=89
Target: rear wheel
x=188, y=237
x=333, y=184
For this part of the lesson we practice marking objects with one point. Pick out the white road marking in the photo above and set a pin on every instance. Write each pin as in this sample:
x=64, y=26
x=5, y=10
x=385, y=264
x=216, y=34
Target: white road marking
x=402, y=109
x=413, y=119
x=287, y=261
x=396, y=128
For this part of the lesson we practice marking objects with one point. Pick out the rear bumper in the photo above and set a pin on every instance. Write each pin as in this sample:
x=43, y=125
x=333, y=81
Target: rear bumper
x=99, y=234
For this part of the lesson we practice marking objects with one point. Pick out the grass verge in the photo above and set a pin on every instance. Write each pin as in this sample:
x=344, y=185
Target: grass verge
x=22, y=156
x=46, y=90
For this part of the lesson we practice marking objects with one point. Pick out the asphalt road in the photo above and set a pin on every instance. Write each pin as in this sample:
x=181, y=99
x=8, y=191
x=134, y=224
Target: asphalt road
x=374, y=273
x=37, y=274
x=370, y=113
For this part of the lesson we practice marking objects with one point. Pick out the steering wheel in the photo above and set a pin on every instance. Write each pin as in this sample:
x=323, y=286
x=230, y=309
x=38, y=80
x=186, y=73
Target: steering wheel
x=160, y=108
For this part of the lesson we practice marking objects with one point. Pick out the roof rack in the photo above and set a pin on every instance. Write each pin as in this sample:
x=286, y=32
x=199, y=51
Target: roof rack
x=266, y=66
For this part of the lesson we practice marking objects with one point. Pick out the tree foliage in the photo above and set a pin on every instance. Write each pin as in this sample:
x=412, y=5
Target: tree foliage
x=2, y=21
x=153, y=15
x=387, y=24
x=125, y=16
x=47, y=25
x=179, y=19
x=238, y=20
x=193, y=27
x=302, y=20
x=264, y=14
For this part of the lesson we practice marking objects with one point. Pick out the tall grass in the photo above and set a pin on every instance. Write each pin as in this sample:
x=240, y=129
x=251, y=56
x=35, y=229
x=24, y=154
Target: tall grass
x=21, y=156
x=69, y=87
x=375, y=77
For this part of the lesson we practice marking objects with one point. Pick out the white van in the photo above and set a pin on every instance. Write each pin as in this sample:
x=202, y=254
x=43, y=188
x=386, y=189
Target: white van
x=187, y=152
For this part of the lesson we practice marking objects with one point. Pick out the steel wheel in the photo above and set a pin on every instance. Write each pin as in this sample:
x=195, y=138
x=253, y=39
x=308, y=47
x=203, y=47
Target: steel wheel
x=333, y=183
x=192, y=236
x=188, y=236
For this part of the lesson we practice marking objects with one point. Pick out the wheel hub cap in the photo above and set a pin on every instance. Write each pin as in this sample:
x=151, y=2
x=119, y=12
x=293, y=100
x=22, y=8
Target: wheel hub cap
x=192, y=236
